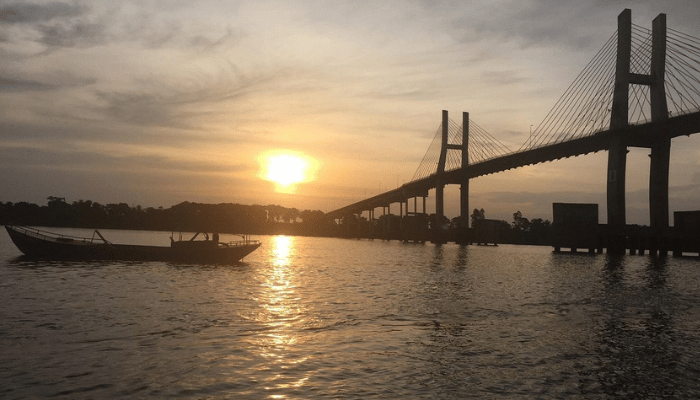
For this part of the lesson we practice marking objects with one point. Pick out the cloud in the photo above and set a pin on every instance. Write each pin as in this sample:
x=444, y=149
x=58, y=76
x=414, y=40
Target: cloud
x=20, y=85
x=80, y=34
x=60, y=25
x=41, y=82
x=22, y=13
x=183, y=105
x=536, y=23
x=503, y=77
x=71, y=158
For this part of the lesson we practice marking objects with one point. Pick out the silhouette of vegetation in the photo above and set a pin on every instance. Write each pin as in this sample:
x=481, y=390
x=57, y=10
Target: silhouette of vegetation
x=255, y=219
x=418, y=228
x=535, y=231
x=186, y=216
x=477, y=215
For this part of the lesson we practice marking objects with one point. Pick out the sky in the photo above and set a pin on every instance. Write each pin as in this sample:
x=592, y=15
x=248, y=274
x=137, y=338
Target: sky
x=153, y=103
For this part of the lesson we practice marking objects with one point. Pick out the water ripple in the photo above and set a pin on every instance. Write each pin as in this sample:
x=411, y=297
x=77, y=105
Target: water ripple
x=320, y=318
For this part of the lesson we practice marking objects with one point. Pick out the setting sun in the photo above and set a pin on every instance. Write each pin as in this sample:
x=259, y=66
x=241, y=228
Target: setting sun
x=286, y=169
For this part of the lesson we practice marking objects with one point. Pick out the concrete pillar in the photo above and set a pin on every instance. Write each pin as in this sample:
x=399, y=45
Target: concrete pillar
x=659, y=108
x=440, y=185
x=385, y=227
x=401, y=234
x=439, y=202
x=658, y=185
x=661, y=147
x=464, y=187
x=617, y=165
x=619, y=119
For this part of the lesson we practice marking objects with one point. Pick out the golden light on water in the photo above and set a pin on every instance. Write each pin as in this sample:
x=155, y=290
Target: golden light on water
x=286, y=169
x=281, y=250
x=279, y=302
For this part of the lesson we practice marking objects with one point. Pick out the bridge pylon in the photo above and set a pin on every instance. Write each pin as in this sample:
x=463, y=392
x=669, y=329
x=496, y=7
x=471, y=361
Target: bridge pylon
x=463, y=224
x=438, y=234
x=463, y=148
x=619, y=121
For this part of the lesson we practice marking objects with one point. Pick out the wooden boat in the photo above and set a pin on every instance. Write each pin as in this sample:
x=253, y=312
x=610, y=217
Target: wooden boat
x=52, y=246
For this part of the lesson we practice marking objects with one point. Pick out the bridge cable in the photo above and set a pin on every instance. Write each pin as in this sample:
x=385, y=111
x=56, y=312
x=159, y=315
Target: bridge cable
x=572, y=110
x=556, y=120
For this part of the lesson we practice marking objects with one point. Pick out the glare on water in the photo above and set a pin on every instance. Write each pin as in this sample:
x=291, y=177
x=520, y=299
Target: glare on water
x=317, y=318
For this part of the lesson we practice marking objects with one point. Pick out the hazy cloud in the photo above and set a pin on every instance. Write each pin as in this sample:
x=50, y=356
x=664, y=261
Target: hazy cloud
x=181, y=105
x=23, y=13
x=11, y=83
x=78, y=35
x=70, y=158
x=20, y=85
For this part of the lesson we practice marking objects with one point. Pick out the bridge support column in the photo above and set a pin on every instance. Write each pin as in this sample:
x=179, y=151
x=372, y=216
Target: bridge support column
x=661, y=147
x=439, y=213
x=617, y=166
x=386, y=222
x=660, y=144
x=658, y=187
x=619, y=120
x=463, y=228
x=438, y=234
x=401, y=233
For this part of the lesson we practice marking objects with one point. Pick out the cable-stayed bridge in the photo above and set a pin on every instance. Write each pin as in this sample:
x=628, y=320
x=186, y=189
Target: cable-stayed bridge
x=641, y=89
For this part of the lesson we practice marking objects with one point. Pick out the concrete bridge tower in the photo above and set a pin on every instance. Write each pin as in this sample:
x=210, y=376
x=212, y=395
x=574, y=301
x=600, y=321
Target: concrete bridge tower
x=659, y=144
x=463, y=148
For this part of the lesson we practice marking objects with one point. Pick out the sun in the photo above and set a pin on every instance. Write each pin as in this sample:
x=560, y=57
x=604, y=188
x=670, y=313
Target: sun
x=286, y=169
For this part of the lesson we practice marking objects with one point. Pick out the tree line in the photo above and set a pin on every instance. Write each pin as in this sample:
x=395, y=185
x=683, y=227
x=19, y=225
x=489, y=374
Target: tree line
x=239, y=218
x=521, y=230
x=186, y=217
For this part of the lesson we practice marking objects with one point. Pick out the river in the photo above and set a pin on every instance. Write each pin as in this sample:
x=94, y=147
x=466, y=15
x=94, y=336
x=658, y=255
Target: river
x=306, y=318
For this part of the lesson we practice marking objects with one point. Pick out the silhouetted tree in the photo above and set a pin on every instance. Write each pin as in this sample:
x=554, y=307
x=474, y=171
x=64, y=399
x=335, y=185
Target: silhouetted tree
x=520, y=223
x=478, y=214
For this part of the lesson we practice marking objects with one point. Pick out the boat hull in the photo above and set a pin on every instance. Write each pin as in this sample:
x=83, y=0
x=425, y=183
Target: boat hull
x=186, y=252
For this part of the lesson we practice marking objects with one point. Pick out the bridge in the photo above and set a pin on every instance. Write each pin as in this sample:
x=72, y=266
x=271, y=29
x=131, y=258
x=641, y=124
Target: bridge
x=642, y=89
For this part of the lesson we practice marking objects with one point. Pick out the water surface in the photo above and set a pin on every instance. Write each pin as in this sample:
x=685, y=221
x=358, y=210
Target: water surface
x=334, y=318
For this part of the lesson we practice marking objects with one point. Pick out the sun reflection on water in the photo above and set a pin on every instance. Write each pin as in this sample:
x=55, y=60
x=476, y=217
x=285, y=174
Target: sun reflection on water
x=281, y=250
x=282, y=313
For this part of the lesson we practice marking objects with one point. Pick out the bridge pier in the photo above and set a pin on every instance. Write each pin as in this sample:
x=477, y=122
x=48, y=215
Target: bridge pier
x=658, y=186
x=438, y=234
x=401, y=217
x=617, y=166
x=385, y=213
x=661, y=143
x=463, y=225
x=619, y=119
